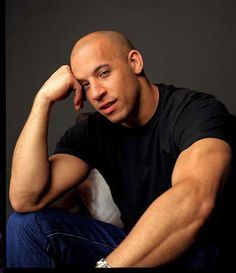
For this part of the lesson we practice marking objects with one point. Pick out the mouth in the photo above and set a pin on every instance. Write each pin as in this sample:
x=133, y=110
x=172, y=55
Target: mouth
x=108, y=107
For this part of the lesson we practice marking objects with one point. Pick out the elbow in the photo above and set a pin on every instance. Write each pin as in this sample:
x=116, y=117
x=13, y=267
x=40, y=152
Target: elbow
x=23, y=200
x=206, y=208
x=23, y=205
x=204, y=211
x=199, y=218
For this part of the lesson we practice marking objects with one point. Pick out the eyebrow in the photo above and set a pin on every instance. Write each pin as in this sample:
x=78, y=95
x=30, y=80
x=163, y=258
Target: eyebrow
x=96, y=70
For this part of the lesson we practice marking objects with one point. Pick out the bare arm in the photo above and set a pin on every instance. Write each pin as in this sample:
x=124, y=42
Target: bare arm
x=36, y=180
x=170, y=224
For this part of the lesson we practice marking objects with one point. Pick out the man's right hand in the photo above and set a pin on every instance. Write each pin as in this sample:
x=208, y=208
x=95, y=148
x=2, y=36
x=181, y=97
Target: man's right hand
x=59, y=86
x=44, y=179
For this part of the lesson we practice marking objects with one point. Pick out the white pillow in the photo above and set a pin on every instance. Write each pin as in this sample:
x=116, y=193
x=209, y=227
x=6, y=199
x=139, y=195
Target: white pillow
x=97, y=197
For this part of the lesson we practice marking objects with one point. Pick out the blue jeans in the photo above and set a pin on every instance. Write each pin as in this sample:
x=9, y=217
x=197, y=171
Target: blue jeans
x=55, y=238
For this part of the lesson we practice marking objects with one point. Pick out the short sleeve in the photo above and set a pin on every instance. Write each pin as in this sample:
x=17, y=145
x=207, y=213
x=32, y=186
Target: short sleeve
x=202, y=117
x=75, y=142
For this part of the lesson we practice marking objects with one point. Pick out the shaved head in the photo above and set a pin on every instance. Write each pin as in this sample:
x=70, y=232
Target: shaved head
x=120, y=44
x=110, y=72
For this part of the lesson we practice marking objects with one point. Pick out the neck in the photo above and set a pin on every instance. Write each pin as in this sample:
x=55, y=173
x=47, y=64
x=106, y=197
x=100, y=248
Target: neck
x=146, y=106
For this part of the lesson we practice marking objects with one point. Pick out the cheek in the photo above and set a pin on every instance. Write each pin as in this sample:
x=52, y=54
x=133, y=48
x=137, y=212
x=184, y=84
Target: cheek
x=131, y=88
x=125, y=85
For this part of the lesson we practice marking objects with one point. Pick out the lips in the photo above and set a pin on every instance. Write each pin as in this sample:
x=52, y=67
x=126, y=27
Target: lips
x=107, y=107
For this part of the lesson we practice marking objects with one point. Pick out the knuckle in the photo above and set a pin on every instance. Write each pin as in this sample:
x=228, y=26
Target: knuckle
x=65, y=67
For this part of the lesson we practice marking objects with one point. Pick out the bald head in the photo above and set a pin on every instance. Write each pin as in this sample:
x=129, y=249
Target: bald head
x=116, y=41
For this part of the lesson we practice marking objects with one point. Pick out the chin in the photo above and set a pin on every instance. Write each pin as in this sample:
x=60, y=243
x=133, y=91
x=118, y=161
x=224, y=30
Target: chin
x=115, y=118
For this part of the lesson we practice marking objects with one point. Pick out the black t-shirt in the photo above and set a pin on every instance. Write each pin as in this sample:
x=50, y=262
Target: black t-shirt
x=137, y=163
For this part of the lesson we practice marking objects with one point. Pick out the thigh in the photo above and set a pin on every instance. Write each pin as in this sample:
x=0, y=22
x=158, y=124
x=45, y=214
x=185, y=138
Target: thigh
x=75, y=239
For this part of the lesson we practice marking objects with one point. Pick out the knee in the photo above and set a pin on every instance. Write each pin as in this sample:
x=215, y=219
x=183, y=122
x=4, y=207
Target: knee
x=21, y=226
x=28, y=225
x=19, y=221
x=24, y=240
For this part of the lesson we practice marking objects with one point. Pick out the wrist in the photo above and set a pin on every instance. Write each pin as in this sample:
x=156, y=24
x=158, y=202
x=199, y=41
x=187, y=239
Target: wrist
x=42, y=99
x=102, y=263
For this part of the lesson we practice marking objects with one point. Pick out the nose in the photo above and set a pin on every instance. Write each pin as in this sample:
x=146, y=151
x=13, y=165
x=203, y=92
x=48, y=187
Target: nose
x=98, y=91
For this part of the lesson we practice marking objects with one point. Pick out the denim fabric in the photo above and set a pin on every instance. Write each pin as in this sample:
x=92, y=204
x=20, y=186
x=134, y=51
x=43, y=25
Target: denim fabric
x=55, y=238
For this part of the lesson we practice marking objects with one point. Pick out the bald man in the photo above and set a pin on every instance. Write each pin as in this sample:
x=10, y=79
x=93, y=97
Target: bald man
x=164, y=151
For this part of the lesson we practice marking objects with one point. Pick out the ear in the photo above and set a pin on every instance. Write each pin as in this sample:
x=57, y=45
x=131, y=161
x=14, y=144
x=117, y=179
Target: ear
x=136, y=61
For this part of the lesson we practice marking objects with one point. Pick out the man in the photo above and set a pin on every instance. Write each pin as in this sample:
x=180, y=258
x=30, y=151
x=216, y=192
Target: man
x=164, y=151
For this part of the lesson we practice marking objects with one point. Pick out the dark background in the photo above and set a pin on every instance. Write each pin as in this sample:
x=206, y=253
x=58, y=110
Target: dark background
x=188, y=43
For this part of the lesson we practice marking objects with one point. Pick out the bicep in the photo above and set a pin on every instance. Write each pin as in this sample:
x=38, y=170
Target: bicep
x=205, y=164
x=66, y=172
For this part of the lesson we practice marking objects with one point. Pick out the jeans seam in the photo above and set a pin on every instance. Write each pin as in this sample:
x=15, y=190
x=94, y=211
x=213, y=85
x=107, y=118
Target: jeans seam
x=79, y=237
x=48, y=241
x=47, y=249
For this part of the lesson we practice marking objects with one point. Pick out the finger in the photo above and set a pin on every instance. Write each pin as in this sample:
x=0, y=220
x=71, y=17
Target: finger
x=78, y=100
x=77, y=107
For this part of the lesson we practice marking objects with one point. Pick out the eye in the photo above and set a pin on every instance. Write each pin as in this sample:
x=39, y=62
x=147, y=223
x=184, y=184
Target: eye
x=104, y=73
x=85, y=86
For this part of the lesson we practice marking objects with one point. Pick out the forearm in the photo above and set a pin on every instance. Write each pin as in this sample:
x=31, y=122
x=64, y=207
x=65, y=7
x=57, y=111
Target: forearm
x=165, y=230
x=31, y=185
x=30, y=166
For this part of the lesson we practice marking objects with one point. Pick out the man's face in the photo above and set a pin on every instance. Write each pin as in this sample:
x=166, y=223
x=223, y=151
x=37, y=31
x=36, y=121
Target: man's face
x=108, y=80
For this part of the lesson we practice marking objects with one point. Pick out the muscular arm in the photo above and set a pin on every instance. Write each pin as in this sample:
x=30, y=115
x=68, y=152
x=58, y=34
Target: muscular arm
x=35, y=179
x=170, y=224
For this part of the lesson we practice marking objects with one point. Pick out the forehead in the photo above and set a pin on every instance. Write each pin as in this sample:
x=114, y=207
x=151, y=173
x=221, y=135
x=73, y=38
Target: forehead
x=87, y=57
